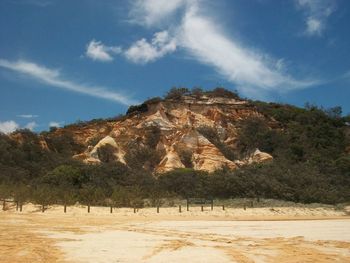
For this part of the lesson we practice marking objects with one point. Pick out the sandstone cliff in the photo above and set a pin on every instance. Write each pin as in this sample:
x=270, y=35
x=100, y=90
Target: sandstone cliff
x=179, y=124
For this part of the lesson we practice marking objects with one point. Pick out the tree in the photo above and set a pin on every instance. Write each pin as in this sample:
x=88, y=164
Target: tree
x=64, y=143
x=334, y=112
x=22, y=194
x=185, y=182
x=153, y=100
x=140, y=156
x=197, y=92
x=5, y=191
x=137, y=109
x=64, y=176
x=106, y=153
x=213, y=136
x=222, y=92
x=253, y=134
x=44, y=195
x=186, y=157
x=347, y=119
x=176, y=93
x=67, y=197
x=135, y=196
x=152, y=135
x=120, y=197
x=89, y=194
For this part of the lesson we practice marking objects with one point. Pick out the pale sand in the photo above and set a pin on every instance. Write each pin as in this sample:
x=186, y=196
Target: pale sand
x=170, y=236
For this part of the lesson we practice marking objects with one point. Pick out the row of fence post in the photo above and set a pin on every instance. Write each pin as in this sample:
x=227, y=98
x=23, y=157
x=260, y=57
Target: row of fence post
x=19, y=206
x=188, y=209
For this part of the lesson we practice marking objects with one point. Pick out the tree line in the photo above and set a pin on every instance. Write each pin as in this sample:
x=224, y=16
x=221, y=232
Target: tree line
x=311, y=151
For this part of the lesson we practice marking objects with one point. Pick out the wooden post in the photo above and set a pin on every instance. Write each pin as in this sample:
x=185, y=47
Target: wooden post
x=88, y=208
x=134, y=210
x=212, y=204
x=17, y=205
x=4, y=205
x=20, y=207
x=65, y=208
x=111, y=209
x=187, y=205
x=43, y=208
x=252, y=204
x=202, y=208
x=158, y=209
x=244, y=207
x=223, y=207
x=179, y=208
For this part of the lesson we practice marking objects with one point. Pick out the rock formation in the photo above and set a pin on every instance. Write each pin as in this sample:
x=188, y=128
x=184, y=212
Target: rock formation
x=179, y=123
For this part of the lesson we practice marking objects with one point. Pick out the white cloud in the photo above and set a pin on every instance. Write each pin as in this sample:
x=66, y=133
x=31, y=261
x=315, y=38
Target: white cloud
x=11, y=126
x=281, y=65
x=314, y=26
x=202, y=39
x=205, y=42
x=8, y=126
x=316, y=14
x=154, y=12
x=55, y=124
x=98, y=51
x=27, y=116
x=53, y=77
x=31, y=125
x=143, y=51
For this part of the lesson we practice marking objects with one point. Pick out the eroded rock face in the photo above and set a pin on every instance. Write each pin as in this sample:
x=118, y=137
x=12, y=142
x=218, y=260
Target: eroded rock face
x=206, y=156
x=178, y=123
x=170, y=161
x=259, y=157
x=119, y=153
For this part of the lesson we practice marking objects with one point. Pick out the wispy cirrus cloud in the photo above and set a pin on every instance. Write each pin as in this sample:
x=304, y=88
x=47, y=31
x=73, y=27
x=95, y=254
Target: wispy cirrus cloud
x=27, y=116
x=53, y=77
x=204, y=40
x=100, y=52
x=154, y=12
x=316, y=14
x=207, y=43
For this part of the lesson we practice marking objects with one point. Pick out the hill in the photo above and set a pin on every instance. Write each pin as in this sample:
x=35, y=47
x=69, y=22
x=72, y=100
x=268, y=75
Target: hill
x=160, y=135
x=189, y=143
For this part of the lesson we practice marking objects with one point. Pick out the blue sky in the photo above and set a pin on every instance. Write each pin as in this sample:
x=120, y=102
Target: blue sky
x=63, y=61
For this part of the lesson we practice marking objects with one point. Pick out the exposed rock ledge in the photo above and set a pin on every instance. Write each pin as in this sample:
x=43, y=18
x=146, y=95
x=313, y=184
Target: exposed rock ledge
x=178, y=123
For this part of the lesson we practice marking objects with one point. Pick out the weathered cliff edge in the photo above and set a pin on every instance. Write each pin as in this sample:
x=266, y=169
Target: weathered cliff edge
x=179, y=123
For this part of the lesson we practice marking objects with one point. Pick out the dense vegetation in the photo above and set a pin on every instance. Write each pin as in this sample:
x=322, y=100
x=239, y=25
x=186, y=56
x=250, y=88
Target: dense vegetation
x=311, y=150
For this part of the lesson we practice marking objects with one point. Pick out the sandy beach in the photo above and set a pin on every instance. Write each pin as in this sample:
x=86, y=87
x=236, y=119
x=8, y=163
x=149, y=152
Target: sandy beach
x=278, y=234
